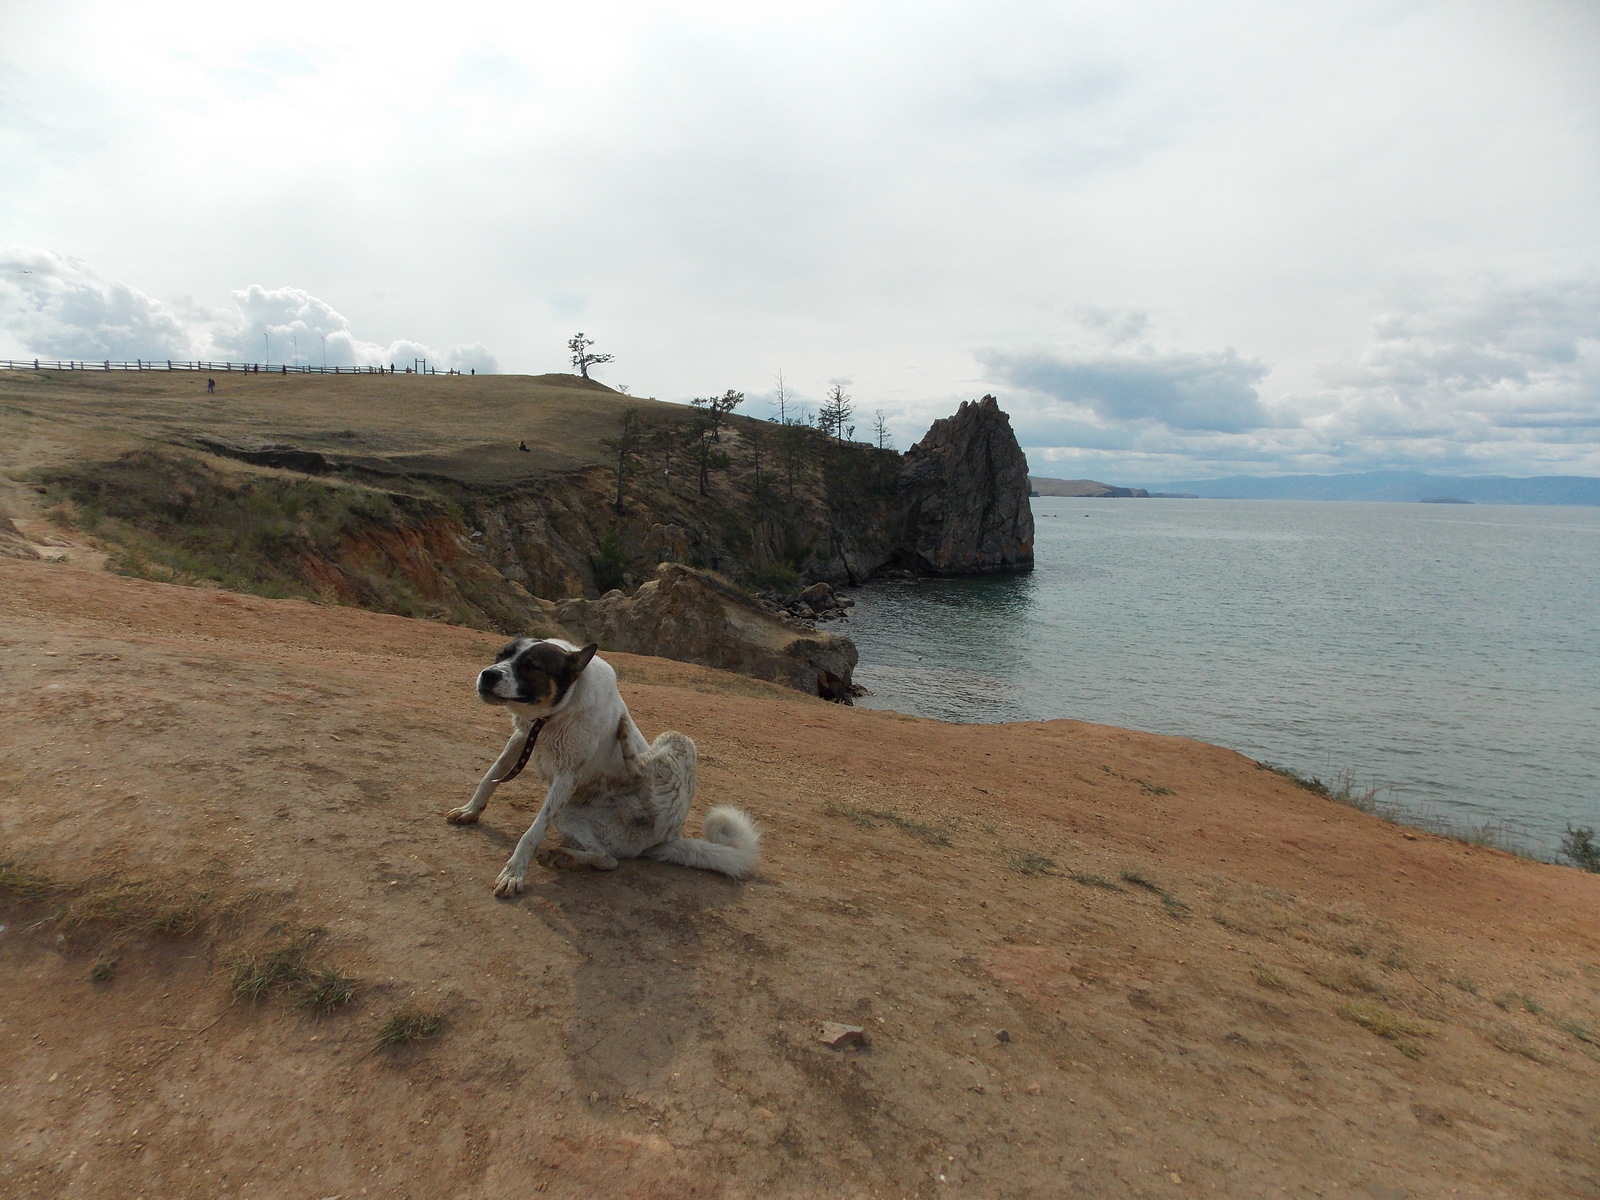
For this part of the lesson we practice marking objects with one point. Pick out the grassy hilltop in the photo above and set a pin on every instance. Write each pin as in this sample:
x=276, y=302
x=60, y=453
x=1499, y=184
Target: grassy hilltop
x=409, y=494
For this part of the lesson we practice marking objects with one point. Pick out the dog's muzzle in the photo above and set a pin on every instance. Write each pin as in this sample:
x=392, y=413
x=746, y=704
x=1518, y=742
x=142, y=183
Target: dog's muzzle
x=488, y=679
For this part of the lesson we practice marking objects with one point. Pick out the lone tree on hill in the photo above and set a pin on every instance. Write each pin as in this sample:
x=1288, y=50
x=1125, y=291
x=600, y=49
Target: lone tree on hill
x=582, y=359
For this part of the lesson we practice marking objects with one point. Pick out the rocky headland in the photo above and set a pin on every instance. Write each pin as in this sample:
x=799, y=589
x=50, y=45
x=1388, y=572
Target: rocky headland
x=543, y=505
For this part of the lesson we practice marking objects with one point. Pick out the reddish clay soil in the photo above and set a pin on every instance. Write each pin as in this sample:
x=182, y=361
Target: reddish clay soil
x=1290, y=998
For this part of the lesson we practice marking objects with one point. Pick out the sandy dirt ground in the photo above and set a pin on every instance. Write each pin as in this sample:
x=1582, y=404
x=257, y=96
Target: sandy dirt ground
x=1088, y=961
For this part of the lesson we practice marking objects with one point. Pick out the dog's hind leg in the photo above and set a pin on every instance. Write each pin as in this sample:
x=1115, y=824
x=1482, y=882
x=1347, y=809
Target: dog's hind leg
x=469, y=812
x=578, y=852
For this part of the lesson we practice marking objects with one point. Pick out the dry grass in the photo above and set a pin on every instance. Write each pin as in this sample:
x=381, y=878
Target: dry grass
x=407, y=1025
x=161, y=908
x=1341, y=977
x=1025, y=862
x=287, y=969
x=1509, y=1038
x=1266, y=977
x=1387, y=1024
x=870, y=818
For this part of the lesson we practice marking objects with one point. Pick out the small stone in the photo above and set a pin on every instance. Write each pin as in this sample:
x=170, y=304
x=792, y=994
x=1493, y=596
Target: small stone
x=1034, y=1089
x=1176, y=1178
x=818, y=595
x=1003, y=1036
x=839, y=1036
x=594, y=1097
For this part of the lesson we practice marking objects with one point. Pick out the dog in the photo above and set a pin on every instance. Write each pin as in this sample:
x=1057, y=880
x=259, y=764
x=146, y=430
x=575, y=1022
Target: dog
x=612, y=795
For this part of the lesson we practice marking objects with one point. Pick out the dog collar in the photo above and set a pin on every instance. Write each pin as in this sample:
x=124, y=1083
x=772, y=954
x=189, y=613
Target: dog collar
x=527, y=749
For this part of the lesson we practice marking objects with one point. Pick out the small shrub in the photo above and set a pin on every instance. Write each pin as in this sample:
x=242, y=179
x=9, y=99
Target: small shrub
x=409, y=1024
x=103, y=971
x=775, y=577
x=1578, y=847
x=611, y=563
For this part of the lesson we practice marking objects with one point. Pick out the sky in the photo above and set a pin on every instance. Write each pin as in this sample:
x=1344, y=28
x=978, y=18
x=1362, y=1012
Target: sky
x=1177, y=240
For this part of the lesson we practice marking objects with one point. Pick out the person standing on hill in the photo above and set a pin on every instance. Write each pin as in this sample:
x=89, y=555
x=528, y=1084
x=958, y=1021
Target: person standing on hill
x=211, y=386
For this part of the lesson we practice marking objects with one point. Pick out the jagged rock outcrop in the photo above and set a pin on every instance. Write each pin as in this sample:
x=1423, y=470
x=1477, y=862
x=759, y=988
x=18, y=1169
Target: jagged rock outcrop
x=694, y=616
x=962, y=497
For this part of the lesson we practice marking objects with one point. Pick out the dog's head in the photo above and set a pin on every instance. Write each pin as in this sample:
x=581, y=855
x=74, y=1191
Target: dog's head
x=534, y=673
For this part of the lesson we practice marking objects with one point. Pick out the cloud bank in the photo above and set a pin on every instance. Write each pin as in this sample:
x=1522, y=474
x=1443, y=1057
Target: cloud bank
x=55, y=306
x=1489, y=377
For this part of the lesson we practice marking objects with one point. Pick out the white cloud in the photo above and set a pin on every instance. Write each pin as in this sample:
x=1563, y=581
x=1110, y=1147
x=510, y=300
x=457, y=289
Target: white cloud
x=52, y=306
x=57, y=307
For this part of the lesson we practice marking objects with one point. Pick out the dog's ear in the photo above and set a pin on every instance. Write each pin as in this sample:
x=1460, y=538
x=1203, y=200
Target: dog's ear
x=579, y=659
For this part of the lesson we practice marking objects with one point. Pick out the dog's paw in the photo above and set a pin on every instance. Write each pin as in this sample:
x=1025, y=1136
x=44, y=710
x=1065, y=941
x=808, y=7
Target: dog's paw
x=461, y=816
x=508, y=884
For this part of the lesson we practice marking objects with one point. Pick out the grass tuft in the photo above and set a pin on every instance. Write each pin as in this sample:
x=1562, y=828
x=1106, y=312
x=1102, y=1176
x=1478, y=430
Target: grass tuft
x=1510, y=1039
x=1341, y=977
x=103, y=971
x=1033, y=864
x=1527, y=1003
x=1266, y=977
x=17, y=882
x=869, y=818
x=1173, y=905
x=287, y=969
x=1090, y=879
x=325, y=990
x=407, y=1025
x=1388, y=1025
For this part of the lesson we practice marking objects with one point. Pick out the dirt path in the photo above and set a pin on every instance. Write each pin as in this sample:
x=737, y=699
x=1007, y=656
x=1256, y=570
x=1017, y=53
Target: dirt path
x=266, y=767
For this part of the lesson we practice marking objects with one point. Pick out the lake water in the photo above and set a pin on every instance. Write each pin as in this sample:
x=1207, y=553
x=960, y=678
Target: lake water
x=1448, y=652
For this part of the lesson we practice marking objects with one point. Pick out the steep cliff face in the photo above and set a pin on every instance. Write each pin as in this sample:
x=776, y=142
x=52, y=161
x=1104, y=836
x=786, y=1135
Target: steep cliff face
x=962, y=499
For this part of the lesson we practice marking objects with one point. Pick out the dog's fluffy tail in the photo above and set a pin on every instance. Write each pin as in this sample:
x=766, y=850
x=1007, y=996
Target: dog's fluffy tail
x=732, y=845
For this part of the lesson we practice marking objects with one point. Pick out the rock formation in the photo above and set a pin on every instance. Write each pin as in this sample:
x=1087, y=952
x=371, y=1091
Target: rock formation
x=962, y=498
x=694, y=616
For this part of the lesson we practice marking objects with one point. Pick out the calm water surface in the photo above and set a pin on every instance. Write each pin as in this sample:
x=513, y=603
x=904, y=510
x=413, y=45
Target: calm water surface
x=1451, y=653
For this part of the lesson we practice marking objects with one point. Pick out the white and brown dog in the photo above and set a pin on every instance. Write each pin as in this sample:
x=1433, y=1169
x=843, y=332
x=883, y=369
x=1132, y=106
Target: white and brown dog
x=612, y=795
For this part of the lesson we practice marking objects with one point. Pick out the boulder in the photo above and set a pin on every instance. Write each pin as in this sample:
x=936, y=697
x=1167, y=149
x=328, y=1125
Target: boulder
x=962, y=497
x=696, y=616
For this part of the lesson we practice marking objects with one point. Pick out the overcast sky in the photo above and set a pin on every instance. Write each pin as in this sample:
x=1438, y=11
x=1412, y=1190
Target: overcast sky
x=1177, y=240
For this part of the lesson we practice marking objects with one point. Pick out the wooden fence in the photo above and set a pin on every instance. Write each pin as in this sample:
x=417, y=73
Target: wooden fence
x=172, y=364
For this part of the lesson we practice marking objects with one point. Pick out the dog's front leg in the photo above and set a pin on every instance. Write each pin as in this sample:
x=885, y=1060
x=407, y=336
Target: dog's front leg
x=510, y=881
x=469, y=812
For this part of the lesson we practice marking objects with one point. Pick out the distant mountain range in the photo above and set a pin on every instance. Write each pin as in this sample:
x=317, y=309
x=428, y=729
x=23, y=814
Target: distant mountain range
x=1401, y=486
